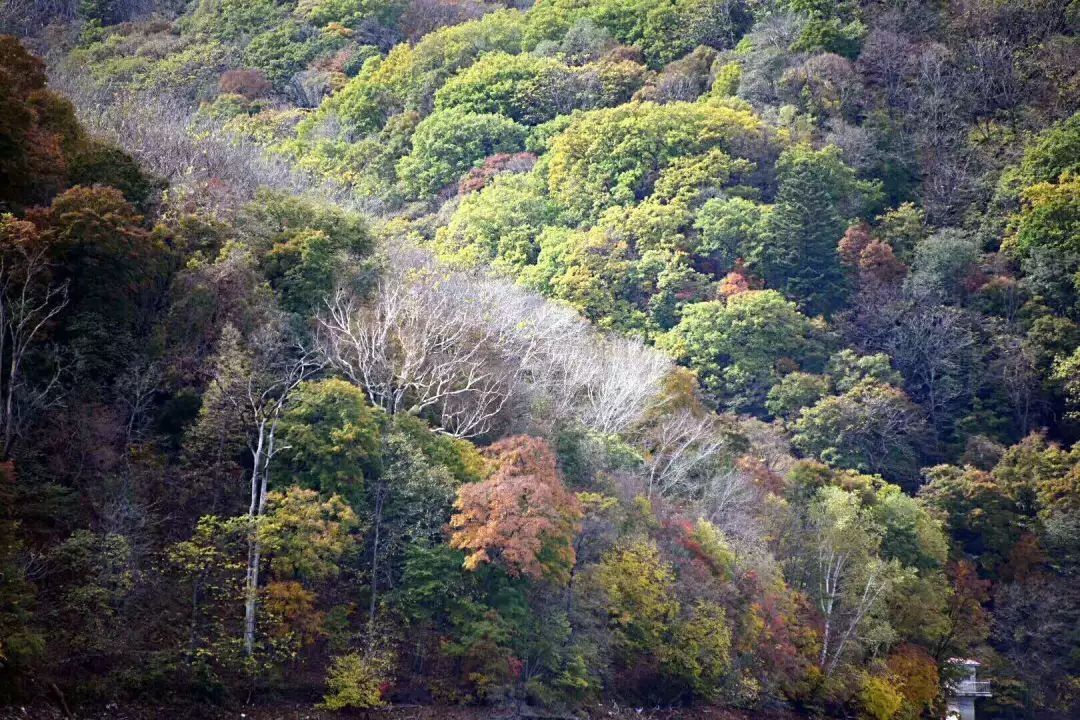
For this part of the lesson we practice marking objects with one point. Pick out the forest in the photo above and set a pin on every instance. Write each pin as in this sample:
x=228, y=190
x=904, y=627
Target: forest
x=553, y=357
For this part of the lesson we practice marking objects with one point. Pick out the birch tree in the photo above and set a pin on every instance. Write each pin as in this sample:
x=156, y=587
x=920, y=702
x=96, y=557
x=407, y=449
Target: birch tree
x=846, y=578
x=29, y=301
x=683, y=451
x=257, y=376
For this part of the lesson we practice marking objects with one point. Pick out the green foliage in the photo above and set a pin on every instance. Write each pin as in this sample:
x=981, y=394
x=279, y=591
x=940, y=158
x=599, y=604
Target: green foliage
x=637, y=584
x=794, y=392
x=407, y=78
x=22, y=642
x=909, y=533
x=611, y=157
x=903, y=228
x=847, y=369
x=331, y=436
x=460, y=457
x=710, y=202
x=982, y=516
x=729, y=229
x=1067, y=372
x=700, y=653
x=235, y=19
x=879, y=698
x=726, y=82
x=1053, y=153
x=941, y=263
x=500, y=224
x=285, y=50
x=96, y=163
x=737, y=347
x=1046, y=235
x=831, y=35
x=449, y=142
x=663, y=30
x=93, y=578
x=355, y=681
x=872, y=427
x=524, y=88
x=304, y=247
x=350, y=13
x=818, y=196
x=304, y=535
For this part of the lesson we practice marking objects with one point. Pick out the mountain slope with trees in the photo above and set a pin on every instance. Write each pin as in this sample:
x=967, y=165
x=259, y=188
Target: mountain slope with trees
x=710, y=353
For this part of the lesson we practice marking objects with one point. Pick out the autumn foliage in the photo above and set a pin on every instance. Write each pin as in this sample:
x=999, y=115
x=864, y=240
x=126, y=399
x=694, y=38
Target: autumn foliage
x=522, y=516
x=252, y=84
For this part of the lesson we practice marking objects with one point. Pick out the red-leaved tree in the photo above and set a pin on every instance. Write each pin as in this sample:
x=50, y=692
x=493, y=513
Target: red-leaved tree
x=522, y=517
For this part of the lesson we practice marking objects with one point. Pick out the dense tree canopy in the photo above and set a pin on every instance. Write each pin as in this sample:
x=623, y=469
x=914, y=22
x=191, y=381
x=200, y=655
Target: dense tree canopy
x=558, y=357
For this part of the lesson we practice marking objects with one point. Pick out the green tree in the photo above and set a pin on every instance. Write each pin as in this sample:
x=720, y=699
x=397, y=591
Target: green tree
x=641, y=604
x=20, y=640
x=304, y=248
x=525, y=88
x=794, y=392
x=846, y=578
x=729, y=229
x=350, y=13
x=332, y=438
x=448, y=142
x=500, y=224
x=818, y=196
x=285, y=49
x=982, y=516
x=613, y=156
x=356, y=681
x=872, y=427
x=737, y=347
x=303, y=535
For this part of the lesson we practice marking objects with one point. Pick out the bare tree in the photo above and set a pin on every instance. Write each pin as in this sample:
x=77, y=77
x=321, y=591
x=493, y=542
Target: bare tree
x=992, y=81
x=463, y=347
x=1017, y=369
x=29, y=300
x=135, y=391
x=683, y=450
x=731, y=501
x=416, y=349
x=26, y=17
x=215, y=169
x=885, y=63
x=936, y=350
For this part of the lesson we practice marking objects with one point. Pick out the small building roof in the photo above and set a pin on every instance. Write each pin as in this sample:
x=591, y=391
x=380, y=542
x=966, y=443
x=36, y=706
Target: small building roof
x=964, y=661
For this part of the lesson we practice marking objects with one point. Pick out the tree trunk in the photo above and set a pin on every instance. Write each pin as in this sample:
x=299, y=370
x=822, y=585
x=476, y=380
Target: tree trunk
x=251, y=595
x=251, y=579
x=380, y=493
x=9, y=405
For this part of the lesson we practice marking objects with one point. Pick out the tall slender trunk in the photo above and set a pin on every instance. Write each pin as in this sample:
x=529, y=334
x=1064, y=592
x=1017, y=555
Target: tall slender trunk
x=380, y=494
x=825, y=642
x=255, y=511
x=9, y=405
x=251, y=592
x=3, y=348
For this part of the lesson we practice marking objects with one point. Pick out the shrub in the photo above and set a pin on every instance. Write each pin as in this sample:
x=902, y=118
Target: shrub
x=252, y=84
x=356, y=681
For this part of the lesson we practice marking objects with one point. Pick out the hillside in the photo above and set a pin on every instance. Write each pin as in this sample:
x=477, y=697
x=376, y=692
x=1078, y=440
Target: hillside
x=577, y=357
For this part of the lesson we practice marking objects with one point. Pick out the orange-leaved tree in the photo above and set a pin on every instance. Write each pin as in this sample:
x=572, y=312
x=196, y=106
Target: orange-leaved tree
x=521, y=516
